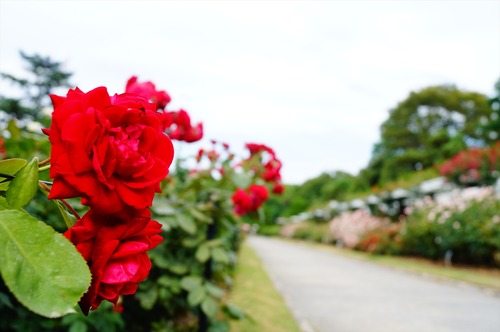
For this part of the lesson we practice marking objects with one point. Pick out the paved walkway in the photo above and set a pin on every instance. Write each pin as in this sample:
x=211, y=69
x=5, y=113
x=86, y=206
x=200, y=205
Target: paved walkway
x=332, y=293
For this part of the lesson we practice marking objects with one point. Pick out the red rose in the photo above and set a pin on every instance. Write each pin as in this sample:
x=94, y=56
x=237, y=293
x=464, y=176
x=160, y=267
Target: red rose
x=257, y=148
x=242, y=202
x=3, y=152
x=115, y=252
x=272, y=171
x=111, y=151
x=148, y=91
x=182, y=130
x=278, y=188
x=251, y=200
x=259, y=194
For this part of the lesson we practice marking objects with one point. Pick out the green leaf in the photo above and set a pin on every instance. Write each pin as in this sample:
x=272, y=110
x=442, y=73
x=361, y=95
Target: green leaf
x=187, y=224
x=167, y=222
x=24, y=186
x=197, y=214
x=241, y=180
x=209, y=307
x=15, y=132
x=218, y=326
x=163, y=207
x=220, y=255
x=148, y=298
x=214, y=243
x=10, y=167
x=191, y=282
x=196, y=296
x=191, y=242
x=3, y=203
x=78, y=326
x=178, y=267
x=165, y=281
x=214, y=290
x=202, y=254
x=41, y=267
x=5, y=301
x=234, y=311
x=69, y=219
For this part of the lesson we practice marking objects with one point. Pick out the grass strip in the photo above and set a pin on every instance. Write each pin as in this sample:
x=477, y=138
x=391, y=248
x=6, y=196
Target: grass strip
x=256, y=295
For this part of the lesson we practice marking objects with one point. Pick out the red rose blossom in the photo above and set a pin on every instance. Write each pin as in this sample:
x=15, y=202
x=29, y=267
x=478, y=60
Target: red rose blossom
x=255, y=148
x=115, y=252
x=272, y=171
x=181, y=128
x=148, y=91
x=251, y=200
x=111, y=151
x=278, y=188
x=242, y=202
x=3, y=151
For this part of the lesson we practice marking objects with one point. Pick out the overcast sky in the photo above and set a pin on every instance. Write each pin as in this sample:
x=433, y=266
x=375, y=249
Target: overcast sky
x=313, y=80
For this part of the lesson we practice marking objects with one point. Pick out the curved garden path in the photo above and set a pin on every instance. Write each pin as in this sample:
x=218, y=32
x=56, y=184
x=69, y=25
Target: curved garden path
x=331, y=293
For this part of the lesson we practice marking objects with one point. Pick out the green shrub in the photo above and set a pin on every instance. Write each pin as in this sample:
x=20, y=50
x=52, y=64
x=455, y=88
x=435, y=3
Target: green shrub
x=385, y=239
x=270, y=230
x=313, y=232
x=470, y=231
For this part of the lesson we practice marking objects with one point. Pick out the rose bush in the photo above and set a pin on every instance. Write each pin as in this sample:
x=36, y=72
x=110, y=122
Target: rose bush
x=473, y=166
x=110, y=151
x=113, y=152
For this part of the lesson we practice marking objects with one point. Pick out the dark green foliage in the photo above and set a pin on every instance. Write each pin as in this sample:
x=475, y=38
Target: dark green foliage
x=472, y=235
x=492, y=124
x=192, y=268
x=16, y=318
x=429, y=126
x=44, y=75
x=270, y=230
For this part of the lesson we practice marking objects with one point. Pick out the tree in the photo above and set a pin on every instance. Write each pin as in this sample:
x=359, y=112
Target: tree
x=492, y=127
x=44, y=75
x=429, y=126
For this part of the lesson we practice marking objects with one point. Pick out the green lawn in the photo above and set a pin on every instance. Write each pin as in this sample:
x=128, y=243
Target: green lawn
x=256, y=295
x=489, y=278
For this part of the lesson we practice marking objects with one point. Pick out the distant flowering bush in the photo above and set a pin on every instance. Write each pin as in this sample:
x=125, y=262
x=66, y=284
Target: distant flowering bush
x=348, y=227
x=385, y=239
x=473, y=166
x=465, y=225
